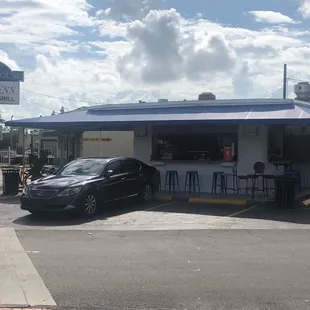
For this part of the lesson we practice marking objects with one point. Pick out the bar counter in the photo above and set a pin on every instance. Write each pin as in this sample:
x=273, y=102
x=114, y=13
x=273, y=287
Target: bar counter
x=205, y=169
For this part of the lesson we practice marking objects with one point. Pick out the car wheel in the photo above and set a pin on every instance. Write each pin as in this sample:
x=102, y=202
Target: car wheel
x=147, y=193
x=89, y=204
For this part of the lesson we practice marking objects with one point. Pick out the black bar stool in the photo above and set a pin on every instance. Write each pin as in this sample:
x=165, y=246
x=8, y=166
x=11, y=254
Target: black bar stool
x=192, y=182
x=172, y=181
x=218, y=176
x=259, y=169
x=234, y=177
x=269, y=183
x=245, y=188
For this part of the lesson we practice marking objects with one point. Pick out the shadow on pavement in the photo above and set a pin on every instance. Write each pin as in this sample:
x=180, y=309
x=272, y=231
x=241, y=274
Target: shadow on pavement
x=71, y=219
x=266, y=212
x=272, y=213
x=9, y=200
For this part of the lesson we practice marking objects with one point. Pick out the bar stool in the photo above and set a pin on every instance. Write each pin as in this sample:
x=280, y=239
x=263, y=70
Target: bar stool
x=269, y=183
x=259, y=169
x=172, y=181
x=246, y=188
x=234, y=177
x=218, y=175
x=192, y=181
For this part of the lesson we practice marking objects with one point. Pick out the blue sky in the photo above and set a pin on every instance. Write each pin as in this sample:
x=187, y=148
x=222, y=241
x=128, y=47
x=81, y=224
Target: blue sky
x=81, y=52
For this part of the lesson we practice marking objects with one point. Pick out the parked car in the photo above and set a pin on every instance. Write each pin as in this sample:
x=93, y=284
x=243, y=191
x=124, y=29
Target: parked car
x=86, y=183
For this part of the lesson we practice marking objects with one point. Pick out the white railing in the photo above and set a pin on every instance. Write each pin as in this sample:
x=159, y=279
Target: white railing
x=6, y=155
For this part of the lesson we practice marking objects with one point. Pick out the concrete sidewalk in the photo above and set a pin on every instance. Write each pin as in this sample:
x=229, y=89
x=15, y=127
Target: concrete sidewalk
x=20, y=283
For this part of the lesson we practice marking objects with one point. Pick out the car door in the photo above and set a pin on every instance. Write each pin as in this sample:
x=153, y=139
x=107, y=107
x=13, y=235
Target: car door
x=131, y=169
x=114, y=183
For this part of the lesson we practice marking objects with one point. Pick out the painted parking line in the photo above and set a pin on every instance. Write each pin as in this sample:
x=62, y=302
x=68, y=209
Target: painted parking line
x=220, y=218
x=160, y=206
x=242, y=211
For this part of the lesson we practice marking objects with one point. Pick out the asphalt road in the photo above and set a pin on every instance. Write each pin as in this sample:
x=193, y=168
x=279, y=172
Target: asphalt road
x=129, y=258
x=203, y=269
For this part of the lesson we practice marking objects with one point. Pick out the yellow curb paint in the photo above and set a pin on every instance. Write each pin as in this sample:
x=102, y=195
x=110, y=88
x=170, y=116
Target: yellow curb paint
x=164, y=198
x=237, y=202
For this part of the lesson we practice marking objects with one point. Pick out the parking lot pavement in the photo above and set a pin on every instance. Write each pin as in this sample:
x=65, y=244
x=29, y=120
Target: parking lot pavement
x=122, y=215
x=131, y=215
x=191, y=269
x=174, y=215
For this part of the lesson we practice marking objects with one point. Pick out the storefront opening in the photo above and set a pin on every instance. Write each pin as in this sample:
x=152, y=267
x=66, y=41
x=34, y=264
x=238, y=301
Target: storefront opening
x=194, y=143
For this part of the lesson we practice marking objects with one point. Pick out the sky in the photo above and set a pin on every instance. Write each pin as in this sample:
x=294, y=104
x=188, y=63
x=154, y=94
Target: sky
x=89, y=52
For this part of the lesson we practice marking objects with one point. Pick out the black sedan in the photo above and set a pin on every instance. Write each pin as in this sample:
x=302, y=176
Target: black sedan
x=86, y=183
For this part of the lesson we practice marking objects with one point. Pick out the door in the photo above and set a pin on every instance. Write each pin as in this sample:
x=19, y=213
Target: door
x=113, y=186
x=132, y=172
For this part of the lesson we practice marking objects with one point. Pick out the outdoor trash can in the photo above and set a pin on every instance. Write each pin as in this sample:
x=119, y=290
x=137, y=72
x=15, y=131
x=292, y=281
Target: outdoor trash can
x=10, y=179
x=285, y=191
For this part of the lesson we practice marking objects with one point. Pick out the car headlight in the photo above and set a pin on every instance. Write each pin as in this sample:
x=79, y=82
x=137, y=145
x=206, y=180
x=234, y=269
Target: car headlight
x=70, y=191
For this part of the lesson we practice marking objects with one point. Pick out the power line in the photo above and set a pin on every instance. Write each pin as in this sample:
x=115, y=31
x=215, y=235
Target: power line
x=37, y=104
x=60, y=98
x=296, y=80
x=271, y=91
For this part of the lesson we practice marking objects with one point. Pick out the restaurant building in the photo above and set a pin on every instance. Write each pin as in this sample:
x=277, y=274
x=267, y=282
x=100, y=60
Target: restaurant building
x=204, y=136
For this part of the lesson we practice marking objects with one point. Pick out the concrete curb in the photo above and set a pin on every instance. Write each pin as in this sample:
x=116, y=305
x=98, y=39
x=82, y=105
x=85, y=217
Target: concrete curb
x=217, y=201
x=22, y=285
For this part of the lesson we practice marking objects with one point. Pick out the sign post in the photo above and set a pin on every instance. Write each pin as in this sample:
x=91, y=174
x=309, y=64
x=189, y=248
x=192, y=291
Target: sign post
x=10, y=85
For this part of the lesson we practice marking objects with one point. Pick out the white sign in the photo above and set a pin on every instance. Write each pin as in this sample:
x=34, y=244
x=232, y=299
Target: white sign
x=9, y=93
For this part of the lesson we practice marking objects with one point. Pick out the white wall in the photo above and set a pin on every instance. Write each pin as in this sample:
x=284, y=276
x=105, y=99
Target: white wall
x=250, y=150
x=121, y=144
x=142, y=149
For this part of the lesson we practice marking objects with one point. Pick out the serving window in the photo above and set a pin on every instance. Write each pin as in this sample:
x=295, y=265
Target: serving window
x=207, y=143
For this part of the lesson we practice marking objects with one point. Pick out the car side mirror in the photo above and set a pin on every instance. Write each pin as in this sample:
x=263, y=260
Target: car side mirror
x=110, y=173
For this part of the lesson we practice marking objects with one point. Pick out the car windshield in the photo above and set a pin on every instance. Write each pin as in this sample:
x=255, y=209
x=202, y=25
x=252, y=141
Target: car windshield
x=89, y=167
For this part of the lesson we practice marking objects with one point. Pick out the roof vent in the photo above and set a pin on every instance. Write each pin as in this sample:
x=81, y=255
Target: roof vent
x=163, y=100
x=302, y=91
x=206, y=96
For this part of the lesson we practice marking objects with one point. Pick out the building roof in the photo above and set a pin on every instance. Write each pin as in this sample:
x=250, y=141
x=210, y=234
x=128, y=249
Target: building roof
x=127, y=115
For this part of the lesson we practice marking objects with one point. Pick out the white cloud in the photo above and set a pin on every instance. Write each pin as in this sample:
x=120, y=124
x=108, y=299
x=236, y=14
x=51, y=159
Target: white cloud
x=304, y=8
x=271, y=17
x=162, y=53
x=159, y=55
x=207, y=55
x=33, y=22
x=4, y=58
x=243, y=82
x=112, y=28
x=130, y=9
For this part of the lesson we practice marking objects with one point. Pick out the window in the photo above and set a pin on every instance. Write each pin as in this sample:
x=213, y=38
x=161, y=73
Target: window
x=193, y=146
x=115, y=166
x=130, y=166
x=84, y=167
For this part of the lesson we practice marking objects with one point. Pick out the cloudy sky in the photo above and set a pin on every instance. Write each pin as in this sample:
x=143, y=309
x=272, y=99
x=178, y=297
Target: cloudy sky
x=86, y=52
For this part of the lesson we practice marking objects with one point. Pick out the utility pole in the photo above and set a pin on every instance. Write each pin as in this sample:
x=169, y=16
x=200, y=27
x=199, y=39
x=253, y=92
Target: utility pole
x=284, y=81
x=11, y=133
